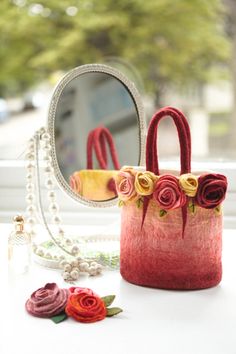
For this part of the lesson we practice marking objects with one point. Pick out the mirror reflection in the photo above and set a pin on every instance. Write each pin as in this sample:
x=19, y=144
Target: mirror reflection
x=96, y=133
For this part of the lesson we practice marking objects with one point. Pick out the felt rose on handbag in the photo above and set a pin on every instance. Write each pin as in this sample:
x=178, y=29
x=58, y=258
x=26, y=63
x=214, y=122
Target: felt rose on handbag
x=125, y=185
x=85, y=307
x=47, y=301
x=145, y=182
x=211, y=190
x=168, y=193
x=189, y=184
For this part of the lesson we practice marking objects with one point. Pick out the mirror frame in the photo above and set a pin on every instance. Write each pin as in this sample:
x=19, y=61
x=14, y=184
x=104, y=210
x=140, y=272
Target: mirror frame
x=74, y=73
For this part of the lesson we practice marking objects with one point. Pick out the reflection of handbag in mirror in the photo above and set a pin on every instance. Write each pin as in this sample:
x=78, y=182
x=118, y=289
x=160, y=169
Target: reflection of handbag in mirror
x=97, y=184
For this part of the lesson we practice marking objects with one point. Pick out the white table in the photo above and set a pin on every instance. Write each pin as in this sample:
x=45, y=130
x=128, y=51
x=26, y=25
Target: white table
x=153, y=321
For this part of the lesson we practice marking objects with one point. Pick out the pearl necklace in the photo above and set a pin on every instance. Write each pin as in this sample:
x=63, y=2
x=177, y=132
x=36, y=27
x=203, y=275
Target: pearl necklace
x=74, y=264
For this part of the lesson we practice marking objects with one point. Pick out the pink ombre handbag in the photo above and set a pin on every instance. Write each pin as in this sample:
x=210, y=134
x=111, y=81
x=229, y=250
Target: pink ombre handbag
x=171, y=224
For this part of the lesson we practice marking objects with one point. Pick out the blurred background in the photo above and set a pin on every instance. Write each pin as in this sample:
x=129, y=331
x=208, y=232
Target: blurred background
x=180, y=53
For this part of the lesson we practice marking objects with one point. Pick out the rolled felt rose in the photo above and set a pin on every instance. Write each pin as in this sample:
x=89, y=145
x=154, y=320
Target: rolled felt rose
x=78, y=290
x=84, y=307
x=125, y=185
x=145, y=182
x=189, y=184
x=211, y=190
x=168, y=193
x=47, y=301
x=75, y=183
x=129, y=169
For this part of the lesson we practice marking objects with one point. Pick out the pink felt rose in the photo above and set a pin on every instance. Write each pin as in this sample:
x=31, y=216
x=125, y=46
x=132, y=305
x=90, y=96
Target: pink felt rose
x=75, y=183
x=211, y=190
x=78, y=290
x=168, y=194
x=47, y=301
x=125, y=185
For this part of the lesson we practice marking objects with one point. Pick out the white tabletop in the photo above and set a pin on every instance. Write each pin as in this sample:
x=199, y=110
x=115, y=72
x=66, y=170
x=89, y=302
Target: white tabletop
x=153, y=321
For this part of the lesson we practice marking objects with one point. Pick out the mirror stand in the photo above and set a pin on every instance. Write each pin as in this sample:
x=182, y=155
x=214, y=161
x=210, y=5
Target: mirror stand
x=59, y=249
x=96, y=123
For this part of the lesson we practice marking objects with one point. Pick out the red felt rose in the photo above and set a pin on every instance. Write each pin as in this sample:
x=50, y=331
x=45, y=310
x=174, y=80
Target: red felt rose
x=168, y=193
x=47, y=301
x=211, y=190
x=85, y=307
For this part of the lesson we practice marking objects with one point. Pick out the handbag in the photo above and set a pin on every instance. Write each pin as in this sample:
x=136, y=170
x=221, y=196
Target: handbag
x=171, y=224
x=97, y=184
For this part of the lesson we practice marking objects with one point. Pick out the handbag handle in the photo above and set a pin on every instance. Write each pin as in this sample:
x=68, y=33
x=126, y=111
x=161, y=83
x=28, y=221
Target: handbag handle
x=101, y=156
x=182, y=126
x=97, y=140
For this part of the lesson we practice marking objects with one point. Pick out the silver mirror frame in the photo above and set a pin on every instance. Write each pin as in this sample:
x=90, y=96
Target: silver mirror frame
x=97, y=68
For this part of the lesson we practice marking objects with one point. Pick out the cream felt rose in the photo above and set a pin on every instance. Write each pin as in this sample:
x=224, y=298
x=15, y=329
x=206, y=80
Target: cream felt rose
x=189, y=184
x=168, y=193
x=145, y=182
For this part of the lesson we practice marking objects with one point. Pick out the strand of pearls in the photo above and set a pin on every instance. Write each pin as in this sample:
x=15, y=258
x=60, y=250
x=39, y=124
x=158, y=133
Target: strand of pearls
x=72, y=268
x=30, y=187
x=53, y=206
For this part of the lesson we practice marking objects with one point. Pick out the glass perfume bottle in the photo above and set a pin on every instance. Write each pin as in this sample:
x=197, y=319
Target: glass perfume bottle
x=19, y=247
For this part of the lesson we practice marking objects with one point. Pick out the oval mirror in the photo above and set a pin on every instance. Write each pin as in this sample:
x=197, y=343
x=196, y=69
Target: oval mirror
x=96, y=122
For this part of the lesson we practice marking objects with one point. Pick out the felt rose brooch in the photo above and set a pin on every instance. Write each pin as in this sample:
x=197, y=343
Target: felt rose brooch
x=82, y=304
x=85, y=307
x=47, y=301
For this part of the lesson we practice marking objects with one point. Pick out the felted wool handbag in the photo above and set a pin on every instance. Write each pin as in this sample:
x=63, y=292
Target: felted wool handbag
x=97, y=184
x=171, y=224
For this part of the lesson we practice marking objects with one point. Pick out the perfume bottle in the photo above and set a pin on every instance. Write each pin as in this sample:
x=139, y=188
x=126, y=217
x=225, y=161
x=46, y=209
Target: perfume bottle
x=19, y=247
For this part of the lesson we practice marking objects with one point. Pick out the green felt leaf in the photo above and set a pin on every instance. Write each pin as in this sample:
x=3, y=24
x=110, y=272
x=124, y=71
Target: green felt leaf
x=120, y=203
x=162, y=213
x=113, y=311
x=108, y=300
x=59, y=318
x=192, y=208
x=218, y=210
x=139, y=203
